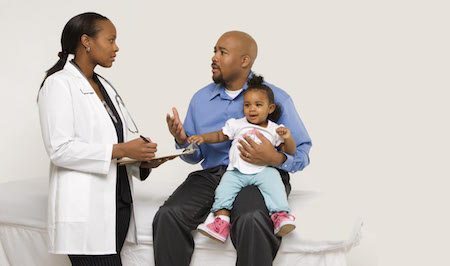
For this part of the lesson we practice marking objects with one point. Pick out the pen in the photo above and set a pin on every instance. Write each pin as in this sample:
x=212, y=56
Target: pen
x=144, y=138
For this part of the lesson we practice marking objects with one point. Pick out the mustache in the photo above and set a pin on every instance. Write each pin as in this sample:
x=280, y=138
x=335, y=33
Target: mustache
x=215, y=66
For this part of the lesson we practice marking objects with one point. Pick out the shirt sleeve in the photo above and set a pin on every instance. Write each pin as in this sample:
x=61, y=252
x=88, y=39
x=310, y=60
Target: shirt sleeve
x=291, y=119
x=230, y=128
x=189, y=128
x=57, y=124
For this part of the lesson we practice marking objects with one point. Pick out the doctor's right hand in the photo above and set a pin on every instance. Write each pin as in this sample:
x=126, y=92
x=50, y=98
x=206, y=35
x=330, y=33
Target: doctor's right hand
x=136, y=149
x=176, y=127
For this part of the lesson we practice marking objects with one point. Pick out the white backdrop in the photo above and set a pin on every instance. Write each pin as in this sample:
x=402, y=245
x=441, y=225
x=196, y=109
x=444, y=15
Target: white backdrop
x=369, y=78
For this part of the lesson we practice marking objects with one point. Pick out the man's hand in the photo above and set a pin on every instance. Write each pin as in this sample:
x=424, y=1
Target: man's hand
x=176, y=127
x=260, y=154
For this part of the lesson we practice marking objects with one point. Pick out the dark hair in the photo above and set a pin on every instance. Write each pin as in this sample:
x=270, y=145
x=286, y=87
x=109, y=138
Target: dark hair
x=84, y=23
x=257, y=83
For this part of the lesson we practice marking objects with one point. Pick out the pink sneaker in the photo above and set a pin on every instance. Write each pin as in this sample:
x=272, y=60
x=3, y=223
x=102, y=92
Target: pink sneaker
x=217, y=229
x=283, y=223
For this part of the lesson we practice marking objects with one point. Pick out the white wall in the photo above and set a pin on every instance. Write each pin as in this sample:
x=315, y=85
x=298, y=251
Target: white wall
x=370, y=79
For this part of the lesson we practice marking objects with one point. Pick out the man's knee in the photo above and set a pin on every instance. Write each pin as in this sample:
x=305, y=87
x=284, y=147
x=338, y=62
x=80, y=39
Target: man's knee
x=252, y=218
x=164, y=215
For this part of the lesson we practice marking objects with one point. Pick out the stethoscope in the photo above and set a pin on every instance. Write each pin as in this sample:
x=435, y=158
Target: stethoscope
x=122, y=108
x=190, y=149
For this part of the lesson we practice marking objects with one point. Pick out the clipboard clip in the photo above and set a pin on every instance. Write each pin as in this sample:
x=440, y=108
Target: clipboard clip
x=191, y=148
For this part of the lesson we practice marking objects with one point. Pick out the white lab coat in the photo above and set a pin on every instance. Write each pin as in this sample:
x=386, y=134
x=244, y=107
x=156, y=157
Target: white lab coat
x=79, y=135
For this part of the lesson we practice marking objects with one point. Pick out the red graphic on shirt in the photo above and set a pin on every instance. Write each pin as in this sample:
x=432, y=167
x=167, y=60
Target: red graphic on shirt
x=252, y=135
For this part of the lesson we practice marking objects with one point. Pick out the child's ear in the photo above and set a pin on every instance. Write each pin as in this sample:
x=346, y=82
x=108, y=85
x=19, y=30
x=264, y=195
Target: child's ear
x=272, y=107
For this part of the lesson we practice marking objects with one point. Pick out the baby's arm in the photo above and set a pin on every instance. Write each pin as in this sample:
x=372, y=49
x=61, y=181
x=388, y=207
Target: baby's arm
x=289, y=145
x=212, y=137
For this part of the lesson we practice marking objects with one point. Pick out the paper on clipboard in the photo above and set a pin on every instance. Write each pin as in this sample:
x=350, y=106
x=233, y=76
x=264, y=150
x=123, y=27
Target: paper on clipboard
x=189, y=150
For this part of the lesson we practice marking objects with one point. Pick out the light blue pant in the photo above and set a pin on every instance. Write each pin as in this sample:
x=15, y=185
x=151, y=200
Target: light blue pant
x=268, y=181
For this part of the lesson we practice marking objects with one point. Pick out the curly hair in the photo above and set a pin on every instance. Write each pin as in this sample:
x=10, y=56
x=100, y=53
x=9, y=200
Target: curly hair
x=257, y=83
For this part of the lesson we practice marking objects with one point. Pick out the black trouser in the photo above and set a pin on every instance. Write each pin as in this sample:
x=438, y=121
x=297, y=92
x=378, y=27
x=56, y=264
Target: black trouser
x=251, y=232
x=122, y=223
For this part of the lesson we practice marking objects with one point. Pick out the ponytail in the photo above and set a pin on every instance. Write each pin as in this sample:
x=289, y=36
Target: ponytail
x=58, y=66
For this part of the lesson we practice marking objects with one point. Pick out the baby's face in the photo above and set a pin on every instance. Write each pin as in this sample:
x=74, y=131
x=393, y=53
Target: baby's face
x=257, y=107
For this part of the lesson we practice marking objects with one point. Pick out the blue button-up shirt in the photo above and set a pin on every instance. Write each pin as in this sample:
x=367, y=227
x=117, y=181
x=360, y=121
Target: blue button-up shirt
x=211, y=107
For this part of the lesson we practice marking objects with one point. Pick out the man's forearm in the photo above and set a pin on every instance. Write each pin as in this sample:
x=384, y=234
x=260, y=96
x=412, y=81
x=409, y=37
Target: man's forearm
x=180, y=142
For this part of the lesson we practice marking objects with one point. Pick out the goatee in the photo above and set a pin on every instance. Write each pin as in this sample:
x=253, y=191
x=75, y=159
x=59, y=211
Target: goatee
x=218, y=80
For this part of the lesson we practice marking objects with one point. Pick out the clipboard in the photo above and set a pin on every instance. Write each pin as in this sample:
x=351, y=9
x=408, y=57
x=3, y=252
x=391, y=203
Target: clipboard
x=189, y=150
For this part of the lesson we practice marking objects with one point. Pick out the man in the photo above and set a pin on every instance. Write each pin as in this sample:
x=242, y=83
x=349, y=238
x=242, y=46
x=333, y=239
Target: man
x=252, y=229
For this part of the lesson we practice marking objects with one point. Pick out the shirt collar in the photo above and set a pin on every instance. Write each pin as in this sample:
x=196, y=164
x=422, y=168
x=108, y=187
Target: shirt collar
x=219, y=89
x=74, y=69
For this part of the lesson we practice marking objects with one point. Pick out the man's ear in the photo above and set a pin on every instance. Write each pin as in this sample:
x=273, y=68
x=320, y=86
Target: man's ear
x=246, y=61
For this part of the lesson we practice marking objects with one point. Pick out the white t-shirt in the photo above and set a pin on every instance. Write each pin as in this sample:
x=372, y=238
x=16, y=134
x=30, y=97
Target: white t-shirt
x=236, y=129
x=233, y=94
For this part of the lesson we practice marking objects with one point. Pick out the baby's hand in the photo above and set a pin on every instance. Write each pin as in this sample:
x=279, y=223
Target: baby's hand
x=197, y=139
x=284, y=132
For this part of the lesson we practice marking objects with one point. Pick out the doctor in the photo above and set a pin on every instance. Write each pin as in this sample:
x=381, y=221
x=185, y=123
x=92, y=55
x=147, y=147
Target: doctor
x=85, y=128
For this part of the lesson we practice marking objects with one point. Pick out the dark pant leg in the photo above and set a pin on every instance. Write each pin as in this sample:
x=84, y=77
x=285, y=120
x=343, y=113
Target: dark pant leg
x=95, y=260
x=186, y=208
x=252, y=229
x=122, y=223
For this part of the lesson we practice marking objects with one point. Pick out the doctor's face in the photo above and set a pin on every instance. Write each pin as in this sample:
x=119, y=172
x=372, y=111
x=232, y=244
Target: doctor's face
x=103, y=46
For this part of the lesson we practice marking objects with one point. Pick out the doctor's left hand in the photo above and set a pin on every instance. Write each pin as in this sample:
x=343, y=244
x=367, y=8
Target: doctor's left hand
x=155, y=163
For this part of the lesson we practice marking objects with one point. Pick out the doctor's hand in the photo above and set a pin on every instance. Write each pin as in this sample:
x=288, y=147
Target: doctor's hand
x=135, y=149
x=176, y=127
x=155, y=163
x=260, y=154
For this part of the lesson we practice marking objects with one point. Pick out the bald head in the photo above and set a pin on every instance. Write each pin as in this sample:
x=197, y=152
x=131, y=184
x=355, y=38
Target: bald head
x=234, y=55
x=244, y=42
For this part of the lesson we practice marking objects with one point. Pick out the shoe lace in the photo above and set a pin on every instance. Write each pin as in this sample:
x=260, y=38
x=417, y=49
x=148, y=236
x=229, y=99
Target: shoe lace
x=279, y=216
